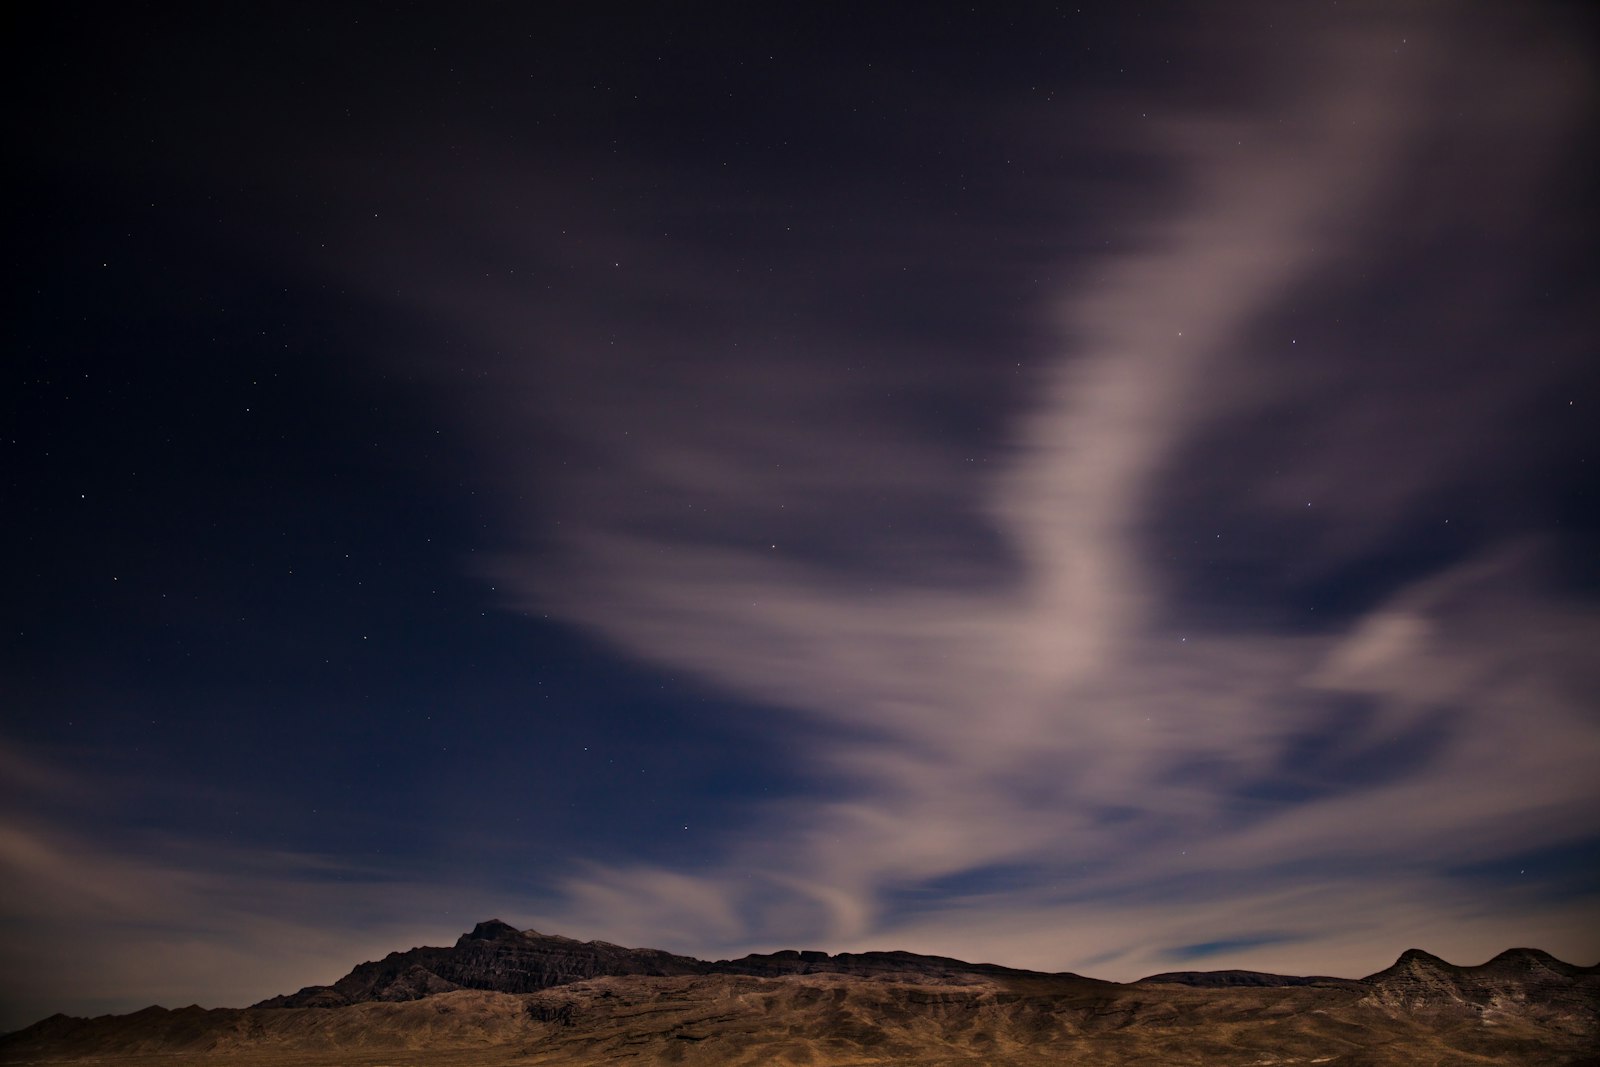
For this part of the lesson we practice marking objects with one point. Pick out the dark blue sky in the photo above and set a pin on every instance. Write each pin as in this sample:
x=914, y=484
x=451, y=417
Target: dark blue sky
x=1105, y=488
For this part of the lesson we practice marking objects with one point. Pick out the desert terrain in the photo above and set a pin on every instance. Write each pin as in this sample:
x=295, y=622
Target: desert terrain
x=1523, y=1007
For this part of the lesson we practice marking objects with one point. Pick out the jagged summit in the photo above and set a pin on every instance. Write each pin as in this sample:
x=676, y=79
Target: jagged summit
x=496, y=930
x=496, y=956
x=1535, y=980
x=491, y=930
x=1521, y=961
x=493, y=955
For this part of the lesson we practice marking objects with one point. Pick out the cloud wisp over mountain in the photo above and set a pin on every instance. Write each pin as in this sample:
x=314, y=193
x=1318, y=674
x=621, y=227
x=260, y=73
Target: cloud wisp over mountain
x=1101, y=492
x=1034, y=697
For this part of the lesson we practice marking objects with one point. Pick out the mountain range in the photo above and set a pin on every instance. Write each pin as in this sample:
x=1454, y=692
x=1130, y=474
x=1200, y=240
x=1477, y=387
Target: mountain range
x=497, y=956
x=503, y=995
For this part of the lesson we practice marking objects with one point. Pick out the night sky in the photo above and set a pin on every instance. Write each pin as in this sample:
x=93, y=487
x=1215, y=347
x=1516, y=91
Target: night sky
x=1103, y=487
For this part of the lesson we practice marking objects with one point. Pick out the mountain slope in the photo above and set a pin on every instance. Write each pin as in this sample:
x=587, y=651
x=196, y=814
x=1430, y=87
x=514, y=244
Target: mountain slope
x=492, y=956
x=1522, y=1007
x=1522, y=983
x=498, y=957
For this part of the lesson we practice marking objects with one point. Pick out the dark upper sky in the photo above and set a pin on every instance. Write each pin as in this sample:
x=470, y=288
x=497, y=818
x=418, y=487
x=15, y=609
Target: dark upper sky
x=1101, y=487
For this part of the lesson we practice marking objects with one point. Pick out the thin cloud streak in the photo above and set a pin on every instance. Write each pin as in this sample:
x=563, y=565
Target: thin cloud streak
x=1047, y=721
x=1129, y=576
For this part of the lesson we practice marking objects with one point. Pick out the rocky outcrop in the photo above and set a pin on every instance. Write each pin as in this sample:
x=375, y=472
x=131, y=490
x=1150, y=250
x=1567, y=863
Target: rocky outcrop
x=819, y=1019
x=1231, y=979
x=493, y=956
x=907, y=965
x=1520, y=982
x=499, y=995
x=496, y=956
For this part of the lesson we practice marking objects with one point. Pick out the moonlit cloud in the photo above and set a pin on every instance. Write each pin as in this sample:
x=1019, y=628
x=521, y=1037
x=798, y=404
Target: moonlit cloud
x=1047, y=722
x=1135, y=513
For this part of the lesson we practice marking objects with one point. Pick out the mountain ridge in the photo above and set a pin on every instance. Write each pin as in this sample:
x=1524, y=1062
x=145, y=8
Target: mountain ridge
x=505, y=996
x=495, y=956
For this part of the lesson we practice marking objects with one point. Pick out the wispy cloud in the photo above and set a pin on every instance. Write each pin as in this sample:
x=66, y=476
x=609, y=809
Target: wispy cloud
x=1039, y=715
x=1031, y=735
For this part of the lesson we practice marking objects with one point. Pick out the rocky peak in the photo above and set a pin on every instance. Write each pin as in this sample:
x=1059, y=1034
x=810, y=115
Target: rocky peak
x=490, y=930
x=1518, y=981
x=1414, y=965
x=1528, y=962
x=496, y=956
x=1416, y=958
x=493, y=955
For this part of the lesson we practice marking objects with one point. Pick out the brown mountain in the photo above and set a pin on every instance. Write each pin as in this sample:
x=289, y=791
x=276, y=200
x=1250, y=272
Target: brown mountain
x=500, y=995
x=494, y=956
x=497, y=956
x=1522, y=983
x=1220, y=979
